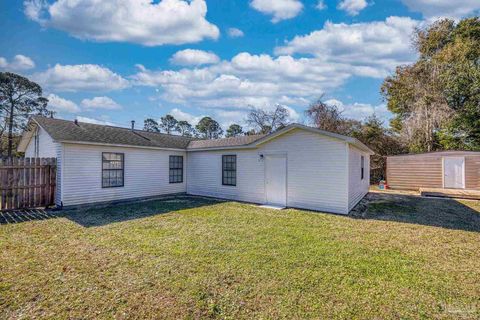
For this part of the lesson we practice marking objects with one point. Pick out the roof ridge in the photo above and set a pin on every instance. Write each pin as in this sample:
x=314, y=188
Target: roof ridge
x=240, y=136
x=117, y=127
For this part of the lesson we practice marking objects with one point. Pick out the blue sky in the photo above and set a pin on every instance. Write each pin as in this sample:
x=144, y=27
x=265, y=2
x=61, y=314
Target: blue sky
x=112, y=61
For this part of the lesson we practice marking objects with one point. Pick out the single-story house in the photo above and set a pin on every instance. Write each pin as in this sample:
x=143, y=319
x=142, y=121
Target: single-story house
x=444, y=170
x=297, y=166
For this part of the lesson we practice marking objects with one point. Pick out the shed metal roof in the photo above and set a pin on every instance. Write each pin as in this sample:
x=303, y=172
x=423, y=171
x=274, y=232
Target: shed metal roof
x=438, y=153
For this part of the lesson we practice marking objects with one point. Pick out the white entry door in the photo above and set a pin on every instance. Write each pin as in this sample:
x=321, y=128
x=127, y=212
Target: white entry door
x=454, y=172
x=276, y=179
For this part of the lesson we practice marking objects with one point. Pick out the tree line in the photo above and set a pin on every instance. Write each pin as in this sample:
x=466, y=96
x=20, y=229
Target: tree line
x=260, y=122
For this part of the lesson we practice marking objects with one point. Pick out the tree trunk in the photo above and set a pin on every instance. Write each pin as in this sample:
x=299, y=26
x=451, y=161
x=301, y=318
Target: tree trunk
x=10, y=130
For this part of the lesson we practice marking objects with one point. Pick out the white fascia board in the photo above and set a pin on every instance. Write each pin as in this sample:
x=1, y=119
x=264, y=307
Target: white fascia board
x=117, y=145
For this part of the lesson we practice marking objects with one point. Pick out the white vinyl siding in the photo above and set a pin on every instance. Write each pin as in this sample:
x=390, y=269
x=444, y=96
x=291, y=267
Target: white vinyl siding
x=316, y=172
x=323, y=173
x=47, y=148
x=357, y=187
x=146, y=174
x=204, y=175
x=58, y=190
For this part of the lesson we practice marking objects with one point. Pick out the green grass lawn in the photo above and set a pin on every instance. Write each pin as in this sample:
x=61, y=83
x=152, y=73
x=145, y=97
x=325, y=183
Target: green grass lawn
x=196, y=258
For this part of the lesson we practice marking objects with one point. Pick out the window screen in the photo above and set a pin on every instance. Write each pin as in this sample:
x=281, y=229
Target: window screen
x=112, y=169
x=362, y=165
x=176, y=169
x=229, y=170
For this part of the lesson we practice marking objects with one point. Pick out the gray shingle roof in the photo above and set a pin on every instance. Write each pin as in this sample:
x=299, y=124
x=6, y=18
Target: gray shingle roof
x=225, y=142
x=68, y=131
x=64, y=130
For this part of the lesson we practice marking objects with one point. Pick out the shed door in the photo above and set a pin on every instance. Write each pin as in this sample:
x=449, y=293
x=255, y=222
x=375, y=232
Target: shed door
x=276, y=179
x=454, y=172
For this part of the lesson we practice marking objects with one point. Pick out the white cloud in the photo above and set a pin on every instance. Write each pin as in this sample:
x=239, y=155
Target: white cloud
x=371, y=49
x=361, y=111
x=191, y=57
x=138, y=21
x=95, y=121
x=292, y=114
x=34, y=9
x=432, y=9
x=185, y=116
x=62, y=105
x=18, y=63
x=332, y=56
x=229, y=117
x=86, y=77
x=321, y=5
x=100, y=103
x=352, y=7
x=246, y=80
x=235, y=33
x=279, y=9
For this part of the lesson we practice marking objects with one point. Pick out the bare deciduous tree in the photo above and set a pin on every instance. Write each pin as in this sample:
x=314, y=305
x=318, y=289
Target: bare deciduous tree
x=268, y=121
x=329, y=118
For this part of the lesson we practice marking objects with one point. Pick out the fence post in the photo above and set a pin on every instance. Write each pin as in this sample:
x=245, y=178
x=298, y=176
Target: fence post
x=42, y=182
x=3, y=193
x=27, y=182
x=9, y=183
x=37, y=180
x=53, y=180
x=21, y=182
x=14, y=183
x=46, y=190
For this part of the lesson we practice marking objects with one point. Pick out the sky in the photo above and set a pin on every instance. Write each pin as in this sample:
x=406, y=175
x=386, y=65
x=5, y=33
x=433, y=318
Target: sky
x=113, y=61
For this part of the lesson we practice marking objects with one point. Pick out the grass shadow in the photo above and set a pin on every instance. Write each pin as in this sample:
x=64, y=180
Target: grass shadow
x=436, y=212
x=25, y=215
x=96, y=216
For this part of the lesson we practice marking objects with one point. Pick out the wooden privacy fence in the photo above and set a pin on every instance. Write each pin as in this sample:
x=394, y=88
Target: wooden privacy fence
x=27, y=183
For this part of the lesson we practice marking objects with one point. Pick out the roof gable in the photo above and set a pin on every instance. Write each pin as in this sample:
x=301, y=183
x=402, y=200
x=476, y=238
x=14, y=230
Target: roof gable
x=347, y=139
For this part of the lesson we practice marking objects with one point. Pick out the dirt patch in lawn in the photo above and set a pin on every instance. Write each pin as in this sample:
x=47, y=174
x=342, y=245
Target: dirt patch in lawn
x=438, y=212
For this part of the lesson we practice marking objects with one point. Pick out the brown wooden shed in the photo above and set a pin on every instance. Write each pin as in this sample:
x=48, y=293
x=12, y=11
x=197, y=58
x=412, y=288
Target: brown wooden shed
x=445, y=169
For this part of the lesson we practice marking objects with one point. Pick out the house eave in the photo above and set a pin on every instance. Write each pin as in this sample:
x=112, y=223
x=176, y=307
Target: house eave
x=249, y=146
x=117, y=145
x=27, y=136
